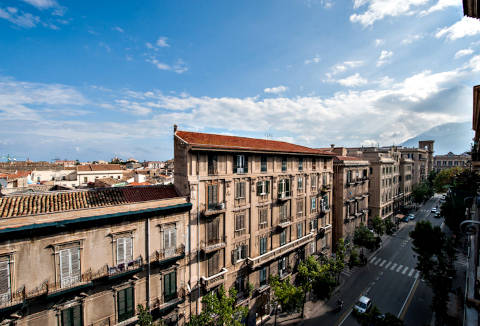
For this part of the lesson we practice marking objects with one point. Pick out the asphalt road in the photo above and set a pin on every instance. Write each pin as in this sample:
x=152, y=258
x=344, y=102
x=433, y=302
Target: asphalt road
x=389, y=279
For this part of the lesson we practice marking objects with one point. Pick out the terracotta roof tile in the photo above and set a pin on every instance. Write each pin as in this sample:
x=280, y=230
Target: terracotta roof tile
x=99, y=167
x=26, y=205
x=348, y=158
x=243, y=143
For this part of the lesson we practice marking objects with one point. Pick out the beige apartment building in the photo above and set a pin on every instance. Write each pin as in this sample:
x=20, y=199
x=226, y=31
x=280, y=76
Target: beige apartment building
x=350, y=195
x=422, y=158
x=259, y=207
x=450, y=160
x=90, y=257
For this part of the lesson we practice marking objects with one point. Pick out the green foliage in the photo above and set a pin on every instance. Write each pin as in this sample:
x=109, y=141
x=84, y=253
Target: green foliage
x=389, y=226
x=435, y=258
x=218, y=309
x=421, y=192
x=354, y=258
x=378, y=225
x=144, y=317
x=374, y=317
x=363, y=237
x=286, y=294
x=445, y=178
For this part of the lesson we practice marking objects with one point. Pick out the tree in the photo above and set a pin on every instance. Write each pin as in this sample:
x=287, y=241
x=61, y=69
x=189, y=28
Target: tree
x=144, y=317
x=363, y=237
x=286, y=294
x=308, y=271
x=420, y=192
x=354, y=259
x=218, y=308
x=389, y=226
x=445, y=178
x=435, y=258
x=378, y=225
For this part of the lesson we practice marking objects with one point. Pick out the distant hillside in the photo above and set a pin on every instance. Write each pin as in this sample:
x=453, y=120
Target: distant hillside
x=450, y=137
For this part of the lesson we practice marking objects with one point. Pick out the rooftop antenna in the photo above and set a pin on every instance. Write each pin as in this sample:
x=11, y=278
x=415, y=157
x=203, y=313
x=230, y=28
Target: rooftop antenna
x=268, y=136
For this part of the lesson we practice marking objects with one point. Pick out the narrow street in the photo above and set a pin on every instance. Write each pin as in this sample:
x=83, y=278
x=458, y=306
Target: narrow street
x=389, y=279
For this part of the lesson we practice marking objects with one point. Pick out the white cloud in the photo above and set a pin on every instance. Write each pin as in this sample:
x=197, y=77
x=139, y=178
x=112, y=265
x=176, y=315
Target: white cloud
x=105, y=46
x=149, y=45
x=467, y=26
x=276, y=90
x=353, y=81
x=379, y=42
x=384, y=57
x=379, y=9
x=118, y=29
x=412, y=38
x=474, y=63
x=42, y=4
x=344, y=66
x=462, y=53
x=179, y=66
x=440, y=5
x=18, y=18
x=162, y=42
x=315, y=59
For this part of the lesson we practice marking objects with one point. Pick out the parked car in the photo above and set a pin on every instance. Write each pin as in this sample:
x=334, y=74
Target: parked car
x=437, y=215
x=405, y=219
x=363, y=304
x=434, y=210
x=411, y=217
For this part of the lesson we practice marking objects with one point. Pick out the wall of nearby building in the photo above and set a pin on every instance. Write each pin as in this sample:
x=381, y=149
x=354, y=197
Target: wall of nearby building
x=84, y=177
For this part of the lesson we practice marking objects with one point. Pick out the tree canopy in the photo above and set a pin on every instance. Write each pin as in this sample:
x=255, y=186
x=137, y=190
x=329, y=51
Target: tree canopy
x=445, y=178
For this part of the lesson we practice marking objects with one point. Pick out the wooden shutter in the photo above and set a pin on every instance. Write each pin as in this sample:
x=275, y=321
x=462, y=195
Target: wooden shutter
x=64, y=265
x=235, y=163
x=128, y=250
x=173, y=282
x=287, y=187
x=244, y=251
x=120, y=251
x=210, y=195
x=245, y=164
x=267, y=186
x=129, y=299
x=66, y=318
x=259, y=188
x=4, y=279
x=166, y=284
x=77, y=315
x=75, y=263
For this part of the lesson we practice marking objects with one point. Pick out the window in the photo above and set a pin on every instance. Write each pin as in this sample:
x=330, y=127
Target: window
x=263, y=245
x=212, y=164
x=213, y=266
x=300, y=207
x=300, y=184
x=314, y=224
x=241, y=284
x=284, y=164
x=262, y=218
x=313, y=248
x=263, y=187
x=5, y=283
x=170, y=241
x=313, y=205
x=325, y=205
x=239, y=222
x=124, y=250
x=263, y=164
x=300, y=164
x=239, y=253
x=69, y=266
x=299, y=230
x=371, y=170
x=325, y=179
x=284, y=188
x=212, y=231
x=282, y=266
x=170, y=286
x=212, y=196
x=314, y=164
x=85, y=179
x=125, y=305
x=283, y=237
x=349, y=176
x=283, y=213
x=72, y=316
x=313, y=181
x=240, y=164
x=240, y=190
x=263, y=276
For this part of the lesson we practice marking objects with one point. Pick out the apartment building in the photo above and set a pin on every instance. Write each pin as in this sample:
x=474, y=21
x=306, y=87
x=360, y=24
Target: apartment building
x=350, y=196
x=90, y=257
x=90, y=172
x=450, y=160
x=259, y=207
x=422, y=158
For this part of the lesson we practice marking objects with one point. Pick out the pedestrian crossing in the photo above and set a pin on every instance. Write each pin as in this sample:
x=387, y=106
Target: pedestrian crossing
x=395, y=267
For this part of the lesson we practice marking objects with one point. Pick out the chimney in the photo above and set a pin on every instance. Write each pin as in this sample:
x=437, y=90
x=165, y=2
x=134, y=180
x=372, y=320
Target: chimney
x=332, y=146
x=175, y=128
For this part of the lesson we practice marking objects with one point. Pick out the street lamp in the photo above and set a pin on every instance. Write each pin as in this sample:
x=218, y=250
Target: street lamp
x=471, y=227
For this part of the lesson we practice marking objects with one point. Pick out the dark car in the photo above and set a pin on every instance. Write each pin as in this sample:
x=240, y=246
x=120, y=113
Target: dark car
x=437, y=215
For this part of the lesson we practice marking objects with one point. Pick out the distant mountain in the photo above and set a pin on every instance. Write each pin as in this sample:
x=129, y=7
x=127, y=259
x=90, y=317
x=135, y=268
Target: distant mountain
x=453, y=137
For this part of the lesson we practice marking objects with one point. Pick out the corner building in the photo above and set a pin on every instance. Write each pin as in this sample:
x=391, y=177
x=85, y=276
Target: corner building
x=259, y=208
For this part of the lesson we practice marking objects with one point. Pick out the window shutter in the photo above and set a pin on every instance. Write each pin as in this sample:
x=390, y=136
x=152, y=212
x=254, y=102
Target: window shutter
x=245, y=164
x=267, y=186
x=234, y=256
x=4, y=279
x=173, y=282
x=77, y=315
x=66, y=320
x=128, y=250
x=166, y=284
x=64, y=264
x=120, y=251
x=259, y=188
x=75, y=257
x=235, y=163
x=287, y=186
x=215, y=194
x=129, y=299
x=173, y=238
x=210, y=195
x=121, y=302
x=280, y=187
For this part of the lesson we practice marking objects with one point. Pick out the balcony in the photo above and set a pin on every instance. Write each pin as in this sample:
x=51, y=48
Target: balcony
x=280, y=251
x=284, y=222
x=284, y=273
x=212, y=245
x=214, y=280
x=162, y=256
x=214, y=209
x=283, y=196
x=126, y=268
x=165, y=303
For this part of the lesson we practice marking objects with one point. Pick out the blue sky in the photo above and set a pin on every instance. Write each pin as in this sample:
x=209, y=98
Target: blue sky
x=94, y=79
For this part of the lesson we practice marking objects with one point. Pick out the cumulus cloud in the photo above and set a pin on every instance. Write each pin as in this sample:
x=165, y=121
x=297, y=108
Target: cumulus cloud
x=384, y=57
x=315, y=59
x=42, y=4
x=379, y=9
x=441, y=5
x=179, y=66
x=118, y=29
x=412, y=38
x=379, y=42
x=162, y=42
x=343, y=67
x=462, y=53
x=19, y=18
x=353, y=81
x=474, y=63
x=467, y=26
x=276, y=90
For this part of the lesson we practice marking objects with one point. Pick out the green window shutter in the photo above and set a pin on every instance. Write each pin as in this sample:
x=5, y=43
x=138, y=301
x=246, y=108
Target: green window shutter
x=245, y=168
x=267, y=186
x=77, y=315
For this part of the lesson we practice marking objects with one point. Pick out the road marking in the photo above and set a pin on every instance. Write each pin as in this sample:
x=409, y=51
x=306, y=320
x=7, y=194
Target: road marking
x=411, y=272
x=374, y=260
x=393, y=266
x=383, y=263
x=399, y=268
x=377, y=261
x=408, y=299
x=405, y=270
x=417, y=274
x=389, y=263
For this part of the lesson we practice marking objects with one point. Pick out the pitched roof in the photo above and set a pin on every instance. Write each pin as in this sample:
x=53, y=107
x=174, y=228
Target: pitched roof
x=16, y=175
x=25, y=205
x=99, y=167
x=243, y=143
x=348, y=158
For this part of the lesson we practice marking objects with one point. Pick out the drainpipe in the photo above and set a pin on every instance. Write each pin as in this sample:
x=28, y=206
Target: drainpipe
x=147, y=257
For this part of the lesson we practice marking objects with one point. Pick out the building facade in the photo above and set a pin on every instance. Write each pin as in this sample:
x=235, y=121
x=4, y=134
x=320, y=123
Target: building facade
x=450, y=160
x=91, y=172
x=350, y=195
x=259, y=207
x=422, y=158
x=90, y=257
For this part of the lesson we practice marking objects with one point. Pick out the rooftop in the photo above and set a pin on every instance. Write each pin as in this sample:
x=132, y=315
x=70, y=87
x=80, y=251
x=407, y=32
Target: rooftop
x=203, y=140
x=99, y=167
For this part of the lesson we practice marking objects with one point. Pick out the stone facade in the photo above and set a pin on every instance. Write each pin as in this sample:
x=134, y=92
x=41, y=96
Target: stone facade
x=259, y=207
x=450, y=160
